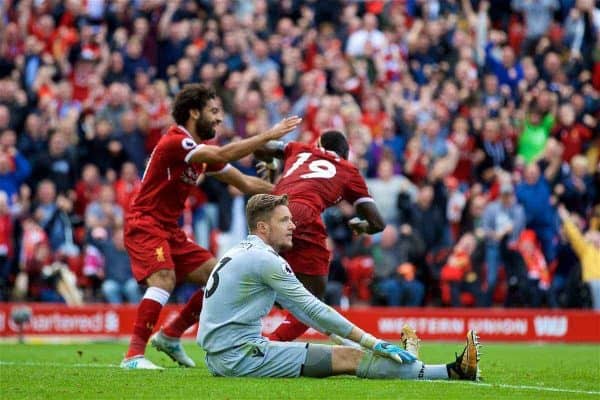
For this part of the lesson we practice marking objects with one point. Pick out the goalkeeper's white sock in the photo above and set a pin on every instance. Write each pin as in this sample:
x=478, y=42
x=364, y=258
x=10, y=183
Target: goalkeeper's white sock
x=376, y=367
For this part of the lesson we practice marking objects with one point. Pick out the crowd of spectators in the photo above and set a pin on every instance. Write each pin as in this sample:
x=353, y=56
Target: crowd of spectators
x=473, y=122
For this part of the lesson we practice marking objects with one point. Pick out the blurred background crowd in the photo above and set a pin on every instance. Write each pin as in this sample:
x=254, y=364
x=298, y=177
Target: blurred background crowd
x=475, y=123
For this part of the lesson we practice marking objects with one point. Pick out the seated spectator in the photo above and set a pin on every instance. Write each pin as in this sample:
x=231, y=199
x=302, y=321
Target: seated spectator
x=30, y=281
x=59, y=164
x=132, y=139
x=416, y=161
x=118, y=284
x=127, y=185
x=14, y=170
x=374, y=116
x=566, y=278
x=534, y=194
x=334, y=292
x=34, y=138
x=538, y=276
x=569, y=132
x=366, y=40
x=359, y=267
x=579, y=189
x=386, y=188
x=64, y=280
x=465, y=145
x=118, y=102
x=427, y=218
x=503, y=222
x=87, y=189
x=455, y=206
x=104, y=212
x=493, y=152
x=55, y=216
x=472, y=218
x=433, y=141
x=43, y=279
x=458, y=277
x=394, y=278
x=7, y=227
x=102, y=149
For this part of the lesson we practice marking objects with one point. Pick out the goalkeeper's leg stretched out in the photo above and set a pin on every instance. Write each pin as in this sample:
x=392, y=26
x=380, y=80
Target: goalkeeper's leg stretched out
x=376, y=360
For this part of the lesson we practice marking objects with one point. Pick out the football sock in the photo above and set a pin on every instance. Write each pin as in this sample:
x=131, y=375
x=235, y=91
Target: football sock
x=188, y=316
x=376, y=367
x=290, y=329
x=147, y=316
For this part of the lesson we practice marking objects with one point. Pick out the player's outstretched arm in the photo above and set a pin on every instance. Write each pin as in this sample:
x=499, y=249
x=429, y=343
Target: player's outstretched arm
x=236, y=150
x=369, y=219
x=245, y=183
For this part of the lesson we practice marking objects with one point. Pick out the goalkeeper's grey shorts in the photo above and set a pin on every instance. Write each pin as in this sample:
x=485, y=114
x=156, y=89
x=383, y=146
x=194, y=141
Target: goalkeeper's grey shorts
x=272, y=359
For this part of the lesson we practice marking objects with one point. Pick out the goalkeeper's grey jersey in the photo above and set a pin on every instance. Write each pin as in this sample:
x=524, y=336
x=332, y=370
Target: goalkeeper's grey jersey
x=242, y=289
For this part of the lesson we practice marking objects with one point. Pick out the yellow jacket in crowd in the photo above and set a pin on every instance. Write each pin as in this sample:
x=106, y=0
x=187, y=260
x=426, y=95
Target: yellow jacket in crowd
x=588, y=254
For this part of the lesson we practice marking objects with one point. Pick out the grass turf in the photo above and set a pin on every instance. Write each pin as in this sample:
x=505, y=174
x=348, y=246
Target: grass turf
x=511, y=371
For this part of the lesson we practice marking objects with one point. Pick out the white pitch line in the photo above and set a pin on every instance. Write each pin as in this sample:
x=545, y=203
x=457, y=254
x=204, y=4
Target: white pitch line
x=522, y=387
x=51, y=364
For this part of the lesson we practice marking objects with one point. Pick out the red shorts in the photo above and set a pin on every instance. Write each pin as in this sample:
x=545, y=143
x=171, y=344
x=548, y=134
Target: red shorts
x=309, y=256
x=152, y=247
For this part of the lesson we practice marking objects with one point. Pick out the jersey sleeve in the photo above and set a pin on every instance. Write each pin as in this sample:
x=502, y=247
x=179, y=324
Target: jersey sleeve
x=179, y=147
x=355, y=189
x=293, y=296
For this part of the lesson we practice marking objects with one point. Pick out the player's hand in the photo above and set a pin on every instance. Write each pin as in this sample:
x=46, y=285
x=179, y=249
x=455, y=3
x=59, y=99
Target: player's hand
x=385, y=349
x=283, y=127
x=394, y=352
x=358, y=225
x=267, y=171
x=263, y=171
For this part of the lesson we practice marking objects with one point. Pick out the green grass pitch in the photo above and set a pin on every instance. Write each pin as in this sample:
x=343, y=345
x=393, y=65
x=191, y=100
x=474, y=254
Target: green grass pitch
x=89, y=371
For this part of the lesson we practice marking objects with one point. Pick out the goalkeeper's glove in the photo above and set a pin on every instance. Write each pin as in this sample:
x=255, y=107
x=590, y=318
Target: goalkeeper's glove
x=386, y=349
x=267, y=170
x=358, y=225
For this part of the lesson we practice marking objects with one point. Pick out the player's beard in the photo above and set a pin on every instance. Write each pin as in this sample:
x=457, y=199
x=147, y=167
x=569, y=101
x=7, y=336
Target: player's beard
x=205, y=129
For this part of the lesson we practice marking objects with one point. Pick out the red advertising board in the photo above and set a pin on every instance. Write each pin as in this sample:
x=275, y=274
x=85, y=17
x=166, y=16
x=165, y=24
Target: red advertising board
x=108, y=322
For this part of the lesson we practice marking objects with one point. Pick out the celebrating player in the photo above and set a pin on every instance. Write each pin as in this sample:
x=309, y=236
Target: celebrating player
x=251, y=277
x=161, y=254
x=314, y=178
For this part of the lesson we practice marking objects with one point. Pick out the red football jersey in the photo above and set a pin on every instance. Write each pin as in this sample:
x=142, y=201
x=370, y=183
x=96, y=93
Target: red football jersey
x=169, y=177
x=319, y=178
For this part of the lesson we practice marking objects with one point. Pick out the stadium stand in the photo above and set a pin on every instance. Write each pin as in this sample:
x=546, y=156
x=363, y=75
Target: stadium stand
x=472, y=120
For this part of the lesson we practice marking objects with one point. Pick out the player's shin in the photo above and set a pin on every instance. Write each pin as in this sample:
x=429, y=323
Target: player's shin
x=187, y=317
x=372, y=366
x=289, y=330
x=147, y=316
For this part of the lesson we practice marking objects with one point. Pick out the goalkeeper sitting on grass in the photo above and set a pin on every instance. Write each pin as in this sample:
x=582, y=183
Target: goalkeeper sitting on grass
x=251, y=277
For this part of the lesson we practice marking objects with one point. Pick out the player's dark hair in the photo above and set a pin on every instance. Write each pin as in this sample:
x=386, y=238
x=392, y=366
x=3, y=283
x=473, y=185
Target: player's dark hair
x=192, y=96
x=335, y=141
x=260, y=206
